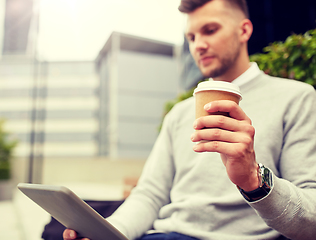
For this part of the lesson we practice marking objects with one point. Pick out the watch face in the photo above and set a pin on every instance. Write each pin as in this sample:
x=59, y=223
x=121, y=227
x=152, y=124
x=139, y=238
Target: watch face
x=267, y=177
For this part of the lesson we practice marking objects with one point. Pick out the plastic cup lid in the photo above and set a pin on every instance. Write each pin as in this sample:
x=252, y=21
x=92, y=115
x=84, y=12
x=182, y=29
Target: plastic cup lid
x=218, y=86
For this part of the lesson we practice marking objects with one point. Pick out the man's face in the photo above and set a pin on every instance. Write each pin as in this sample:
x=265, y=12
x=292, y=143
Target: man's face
x=212, y=32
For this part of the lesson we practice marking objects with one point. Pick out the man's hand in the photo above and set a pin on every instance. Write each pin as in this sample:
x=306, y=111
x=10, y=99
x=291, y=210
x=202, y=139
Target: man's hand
x=233, y=138
x=69, y=234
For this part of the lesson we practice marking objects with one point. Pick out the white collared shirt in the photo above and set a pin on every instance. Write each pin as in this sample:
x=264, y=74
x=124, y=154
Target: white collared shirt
x=252, y=72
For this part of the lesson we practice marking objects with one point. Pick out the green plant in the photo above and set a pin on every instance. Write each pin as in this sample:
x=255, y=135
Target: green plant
x=6, y=150
x=182, y=96
x=295, y=58
x=169, y=105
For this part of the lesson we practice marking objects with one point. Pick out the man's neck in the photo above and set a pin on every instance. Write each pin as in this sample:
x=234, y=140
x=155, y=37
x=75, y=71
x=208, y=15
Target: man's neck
x=233, y=74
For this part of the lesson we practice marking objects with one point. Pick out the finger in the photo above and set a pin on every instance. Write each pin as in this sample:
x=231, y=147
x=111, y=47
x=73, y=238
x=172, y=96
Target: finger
x=216, y=134
x=230, y=107
x=69, y=234
x=215, y=121
x=234, y=150
x=222, y=122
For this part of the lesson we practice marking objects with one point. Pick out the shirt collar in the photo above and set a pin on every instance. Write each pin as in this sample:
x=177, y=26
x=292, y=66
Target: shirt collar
x=252, y=72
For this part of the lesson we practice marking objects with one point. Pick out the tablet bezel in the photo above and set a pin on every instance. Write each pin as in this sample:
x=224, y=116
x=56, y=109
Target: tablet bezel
x=71, y=211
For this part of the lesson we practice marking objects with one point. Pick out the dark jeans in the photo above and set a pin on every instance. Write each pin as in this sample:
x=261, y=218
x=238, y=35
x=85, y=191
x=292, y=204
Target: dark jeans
x=178, y=236
x=166, y=236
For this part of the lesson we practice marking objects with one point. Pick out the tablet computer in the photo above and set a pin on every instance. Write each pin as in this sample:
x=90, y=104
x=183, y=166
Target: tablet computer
x=71, y=211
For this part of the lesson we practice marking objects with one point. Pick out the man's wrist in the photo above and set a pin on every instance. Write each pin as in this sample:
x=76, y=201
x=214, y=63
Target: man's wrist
x=265, y=185
x=254, y=182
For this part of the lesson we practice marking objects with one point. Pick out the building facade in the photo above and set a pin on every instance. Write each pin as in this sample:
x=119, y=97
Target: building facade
x=137, y=77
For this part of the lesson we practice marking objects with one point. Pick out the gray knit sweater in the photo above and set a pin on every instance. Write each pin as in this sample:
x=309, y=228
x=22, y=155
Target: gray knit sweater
x=190, y=193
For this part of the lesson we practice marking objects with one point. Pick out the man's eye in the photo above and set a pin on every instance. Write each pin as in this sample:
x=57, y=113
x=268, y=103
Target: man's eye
x=190, y=38
x=210, y=31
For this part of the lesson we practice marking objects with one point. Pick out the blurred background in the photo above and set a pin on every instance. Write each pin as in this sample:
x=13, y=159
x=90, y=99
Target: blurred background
x=83, y=84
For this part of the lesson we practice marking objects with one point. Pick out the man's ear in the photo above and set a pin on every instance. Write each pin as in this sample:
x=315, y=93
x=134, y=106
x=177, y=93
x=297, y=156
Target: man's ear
x=246, y=29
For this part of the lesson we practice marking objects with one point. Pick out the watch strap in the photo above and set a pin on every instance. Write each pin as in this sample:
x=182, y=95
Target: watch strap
x=256, y=194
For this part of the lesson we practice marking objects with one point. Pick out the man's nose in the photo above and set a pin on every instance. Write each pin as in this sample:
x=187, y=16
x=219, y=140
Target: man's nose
x=200, y=44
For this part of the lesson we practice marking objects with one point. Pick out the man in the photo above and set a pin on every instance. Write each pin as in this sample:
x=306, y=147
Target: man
x=218, y=191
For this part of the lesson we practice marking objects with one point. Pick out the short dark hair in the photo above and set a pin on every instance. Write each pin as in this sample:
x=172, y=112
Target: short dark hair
x=188, y=6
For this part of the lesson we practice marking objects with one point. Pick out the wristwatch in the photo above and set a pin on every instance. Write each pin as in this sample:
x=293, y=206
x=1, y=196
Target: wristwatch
x=265, y=185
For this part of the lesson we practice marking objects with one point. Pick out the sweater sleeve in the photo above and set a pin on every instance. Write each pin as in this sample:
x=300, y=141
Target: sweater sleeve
x=137, y=214
x=290, y=208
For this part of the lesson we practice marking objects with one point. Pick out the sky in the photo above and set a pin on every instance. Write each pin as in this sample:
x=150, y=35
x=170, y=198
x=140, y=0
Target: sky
x=78, y=29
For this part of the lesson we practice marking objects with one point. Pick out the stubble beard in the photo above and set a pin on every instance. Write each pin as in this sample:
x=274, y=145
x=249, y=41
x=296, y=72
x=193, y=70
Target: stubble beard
x=226, y=63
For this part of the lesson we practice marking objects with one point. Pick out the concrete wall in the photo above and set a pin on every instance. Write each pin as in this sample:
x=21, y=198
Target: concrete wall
x=145, y=83
x=80, y=170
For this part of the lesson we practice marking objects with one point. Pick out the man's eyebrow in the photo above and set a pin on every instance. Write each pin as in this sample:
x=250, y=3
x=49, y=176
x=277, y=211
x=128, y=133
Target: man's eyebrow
x=187, y=34
x=207, y=25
